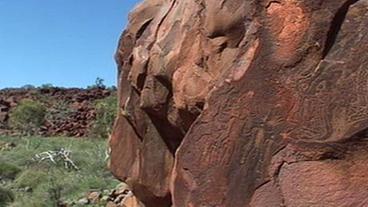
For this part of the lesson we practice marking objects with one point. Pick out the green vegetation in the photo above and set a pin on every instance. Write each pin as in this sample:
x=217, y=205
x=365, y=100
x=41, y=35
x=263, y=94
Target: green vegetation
x=106, y=110
x=44, y=184
x=30, y=178
x=47, y=86
x=8, y=171
x=6, y=196
x=27, y=117
x=28, y=87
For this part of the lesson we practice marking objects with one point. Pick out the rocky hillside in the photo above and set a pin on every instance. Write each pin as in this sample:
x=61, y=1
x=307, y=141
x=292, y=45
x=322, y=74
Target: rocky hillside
x=244, y=103
x=70, y=112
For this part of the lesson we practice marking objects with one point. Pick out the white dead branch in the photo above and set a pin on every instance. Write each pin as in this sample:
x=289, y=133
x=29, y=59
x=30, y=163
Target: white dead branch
x=62, y=155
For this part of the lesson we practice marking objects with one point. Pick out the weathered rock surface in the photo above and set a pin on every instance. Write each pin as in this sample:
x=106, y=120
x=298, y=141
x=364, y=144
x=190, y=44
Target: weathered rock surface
x=244, y=103
x=71, y=112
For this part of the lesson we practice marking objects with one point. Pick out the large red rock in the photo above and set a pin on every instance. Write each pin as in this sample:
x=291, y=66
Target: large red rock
x=244, y=103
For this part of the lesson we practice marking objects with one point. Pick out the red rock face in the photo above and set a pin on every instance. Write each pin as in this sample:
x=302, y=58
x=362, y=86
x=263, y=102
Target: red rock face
x=244, y=103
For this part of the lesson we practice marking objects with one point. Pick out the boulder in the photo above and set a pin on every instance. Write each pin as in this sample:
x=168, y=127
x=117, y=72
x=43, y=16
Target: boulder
x=94, y=197
x=132, y=201
x=244, y=103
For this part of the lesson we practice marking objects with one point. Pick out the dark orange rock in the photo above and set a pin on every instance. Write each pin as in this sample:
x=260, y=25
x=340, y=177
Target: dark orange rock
x=240, y=103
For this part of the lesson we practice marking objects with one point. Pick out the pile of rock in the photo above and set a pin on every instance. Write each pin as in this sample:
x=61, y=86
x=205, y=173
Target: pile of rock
x=4, y=110
x=71, y=111
x=4, y=146
x=121, y=196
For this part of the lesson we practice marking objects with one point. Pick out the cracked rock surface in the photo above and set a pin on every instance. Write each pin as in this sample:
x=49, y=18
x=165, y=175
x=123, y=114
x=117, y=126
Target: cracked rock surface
x=244, y=103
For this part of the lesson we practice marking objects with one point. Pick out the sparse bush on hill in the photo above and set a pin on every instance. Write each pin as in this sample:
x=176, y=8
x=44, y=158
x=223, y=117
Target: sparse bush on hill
x=27, y=117
x=106, y=110
x=28, y=87
x=46, y=86
x=99, y=83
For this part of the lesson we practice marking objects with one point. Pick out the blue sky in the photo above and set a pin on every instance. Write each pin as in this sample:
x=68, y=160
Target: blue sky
x=63, y=42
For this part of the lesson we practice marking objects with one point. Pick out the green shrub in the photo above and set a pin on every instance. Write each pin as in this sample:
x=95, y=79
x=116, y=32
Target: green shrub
x=27, y=201
x=28, y=87
x=27, y=117
x=6, y=197
x=8, y=171
x=30, y=178
x=49, y=183
x=106, y=110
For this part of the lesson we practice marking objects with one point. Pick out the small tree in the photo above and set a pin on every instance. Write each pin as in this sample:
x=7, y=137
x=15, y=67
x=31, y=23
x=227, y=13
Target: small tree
x=99, y=83
x=27, y=117
x=46, y=86
x=28, y=87
x=106, y=110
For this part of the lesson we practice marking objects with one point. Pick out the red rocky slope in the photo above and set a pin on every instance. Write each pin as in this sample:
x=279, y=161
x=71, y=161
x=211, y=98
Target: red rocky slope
x=244, y=103
x=71, y=112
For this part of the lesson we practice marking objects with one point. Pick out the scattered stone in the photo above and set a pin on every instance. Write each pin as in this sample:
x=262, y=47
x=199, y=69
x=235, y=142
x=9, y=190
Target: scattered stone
x=115, y=197
x=111, y=204
x=94, y=197
x=28, y=189
x=131, y=201
x=119, y=198
x=122, y=188
x=105, y=198
x=5, y=146
x=83, y=201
